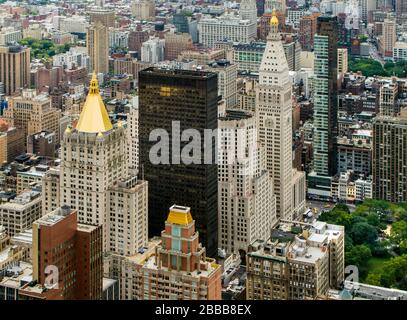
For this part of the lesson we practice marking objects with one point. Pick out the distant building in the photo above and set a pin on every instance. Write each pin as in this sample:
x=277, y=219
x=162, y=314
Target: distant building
x=325, y=107
x=227, y=80
x=143, y=9
x=190, y=97
x=186, y=24
x=355, y=153
x=118, y=38
x=76, y=56
x=12, y=142
x=97, y=42
x=32, y=113
x=15, y=71
x=342, y=61
x=9, y=36
x=248, y=56
x=18, y=214
x=388, y=38
x=152, y=50
x=202, y=57
x=105, y=17
x=246, y=197
x=42, y=144
x=308, y=28
x=176, y=43
x=400, y=51
x=234, y=29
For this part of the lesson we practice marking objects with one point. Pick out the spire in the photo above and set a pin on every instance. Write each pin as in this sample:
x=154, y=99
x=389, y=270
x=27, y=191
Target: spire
x=94, y=117
x=274, y=19
x=274, y=34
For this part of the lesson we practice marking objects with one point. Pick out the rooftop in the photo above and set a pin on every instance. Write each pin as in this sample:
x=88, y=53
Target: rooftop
x=179, y=73
x=94, y=117
x=17, y=276
x=179, y=215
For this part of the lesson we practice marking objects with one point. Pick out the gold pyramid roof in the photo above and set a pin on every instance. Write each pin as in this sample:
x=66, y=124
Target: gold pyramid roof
x=94, y=117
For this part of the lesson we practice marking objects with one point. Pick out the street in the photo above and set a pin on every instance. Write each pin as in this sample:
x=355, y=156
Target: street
x=374, y=54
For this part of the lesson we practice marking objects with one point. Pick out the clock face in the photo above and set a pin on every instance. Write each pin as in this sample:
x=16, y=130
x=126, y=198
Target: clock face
x=269, y=122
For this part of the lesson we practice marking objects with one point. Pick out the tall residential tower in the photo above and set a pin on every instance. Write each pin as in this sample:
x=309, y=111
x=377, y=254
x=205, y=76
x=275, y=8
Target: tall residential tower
x=325, y=106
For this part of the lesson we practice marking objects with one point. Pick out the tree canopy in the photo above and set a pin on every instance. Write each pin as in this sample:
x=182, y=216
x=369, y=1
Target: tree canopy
x=44, y=49
x=375, y=234
x=370, y=67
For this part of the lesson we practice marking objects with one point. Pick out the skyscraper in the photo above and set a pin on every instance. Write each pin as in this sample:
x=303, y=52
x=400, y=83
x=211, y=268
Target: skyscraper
x=325, y=106
x=401, y=8
x=390, y=158
x=248, y=10
x=175, y=43
x=74, y=249
x=143, y=9
x=97, y=42
x=247, y=208
x=308, y=27
x=388, y=38
x=106, y=17
x=274, y=118
x=32, y=113
x=175, y=268
x=174, y=101
x=94, y=178
x=15, y=68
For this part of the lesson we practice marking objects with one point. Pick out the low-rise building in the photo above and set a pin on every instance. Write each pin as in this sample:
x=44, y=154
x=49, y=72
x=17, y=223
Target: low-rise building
x=299, y=261
x=18, y=214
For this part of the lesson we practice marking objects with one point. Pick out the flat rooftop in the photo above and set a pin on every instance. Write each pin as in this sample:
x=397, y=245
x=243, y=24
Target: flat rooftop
x=231, y=115
x=179, y=73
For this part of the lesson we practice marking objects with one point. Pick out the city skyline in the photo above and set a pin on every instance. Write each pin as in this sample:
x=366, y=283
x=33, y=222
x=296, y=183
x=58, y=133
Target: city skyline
x=204, y=150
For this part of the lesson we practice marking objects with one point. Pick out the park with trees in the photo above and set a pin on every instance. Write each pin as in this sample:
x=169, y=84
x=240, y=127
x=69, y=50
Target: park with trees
x=44, y=49
x=375, y=240
x=370, y=67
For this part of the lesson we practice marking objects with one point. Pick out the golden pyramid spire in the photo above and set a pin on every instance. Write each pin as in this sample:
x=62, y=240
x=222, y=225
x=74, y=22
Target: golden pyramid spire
x=94, y=117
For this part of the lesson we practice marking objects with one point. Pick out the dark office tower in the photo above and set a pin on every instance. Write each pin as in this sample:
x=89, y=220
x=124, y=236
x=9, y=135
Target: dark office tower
x=325, y=104
x=190, y=97
x=260, y=7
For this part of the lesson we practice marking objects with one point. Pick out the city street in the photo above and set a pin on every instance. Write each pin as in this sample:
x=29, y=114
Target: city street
x=374, y=54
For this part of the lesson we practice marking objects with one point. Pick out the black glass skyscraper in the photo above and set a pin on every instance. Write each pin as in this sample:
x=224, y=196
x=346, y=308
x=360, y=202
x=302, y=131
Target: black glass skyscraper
x=190, y=97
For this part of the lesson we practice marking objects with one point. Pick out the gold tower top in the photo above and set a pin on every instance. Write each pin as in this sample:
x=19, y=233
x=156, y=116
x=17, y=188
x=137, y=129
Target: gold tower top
x=94, y=117
x=179, y=215
x=274, y=19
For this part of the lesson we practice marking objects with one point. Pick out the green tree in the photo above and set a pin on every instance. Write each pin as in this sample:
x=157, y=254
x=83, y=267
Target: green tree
x=363, y=233
x=359, y=256
x=392, y=275
x=373, y=279
x=368, y=67
x=398, y=235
